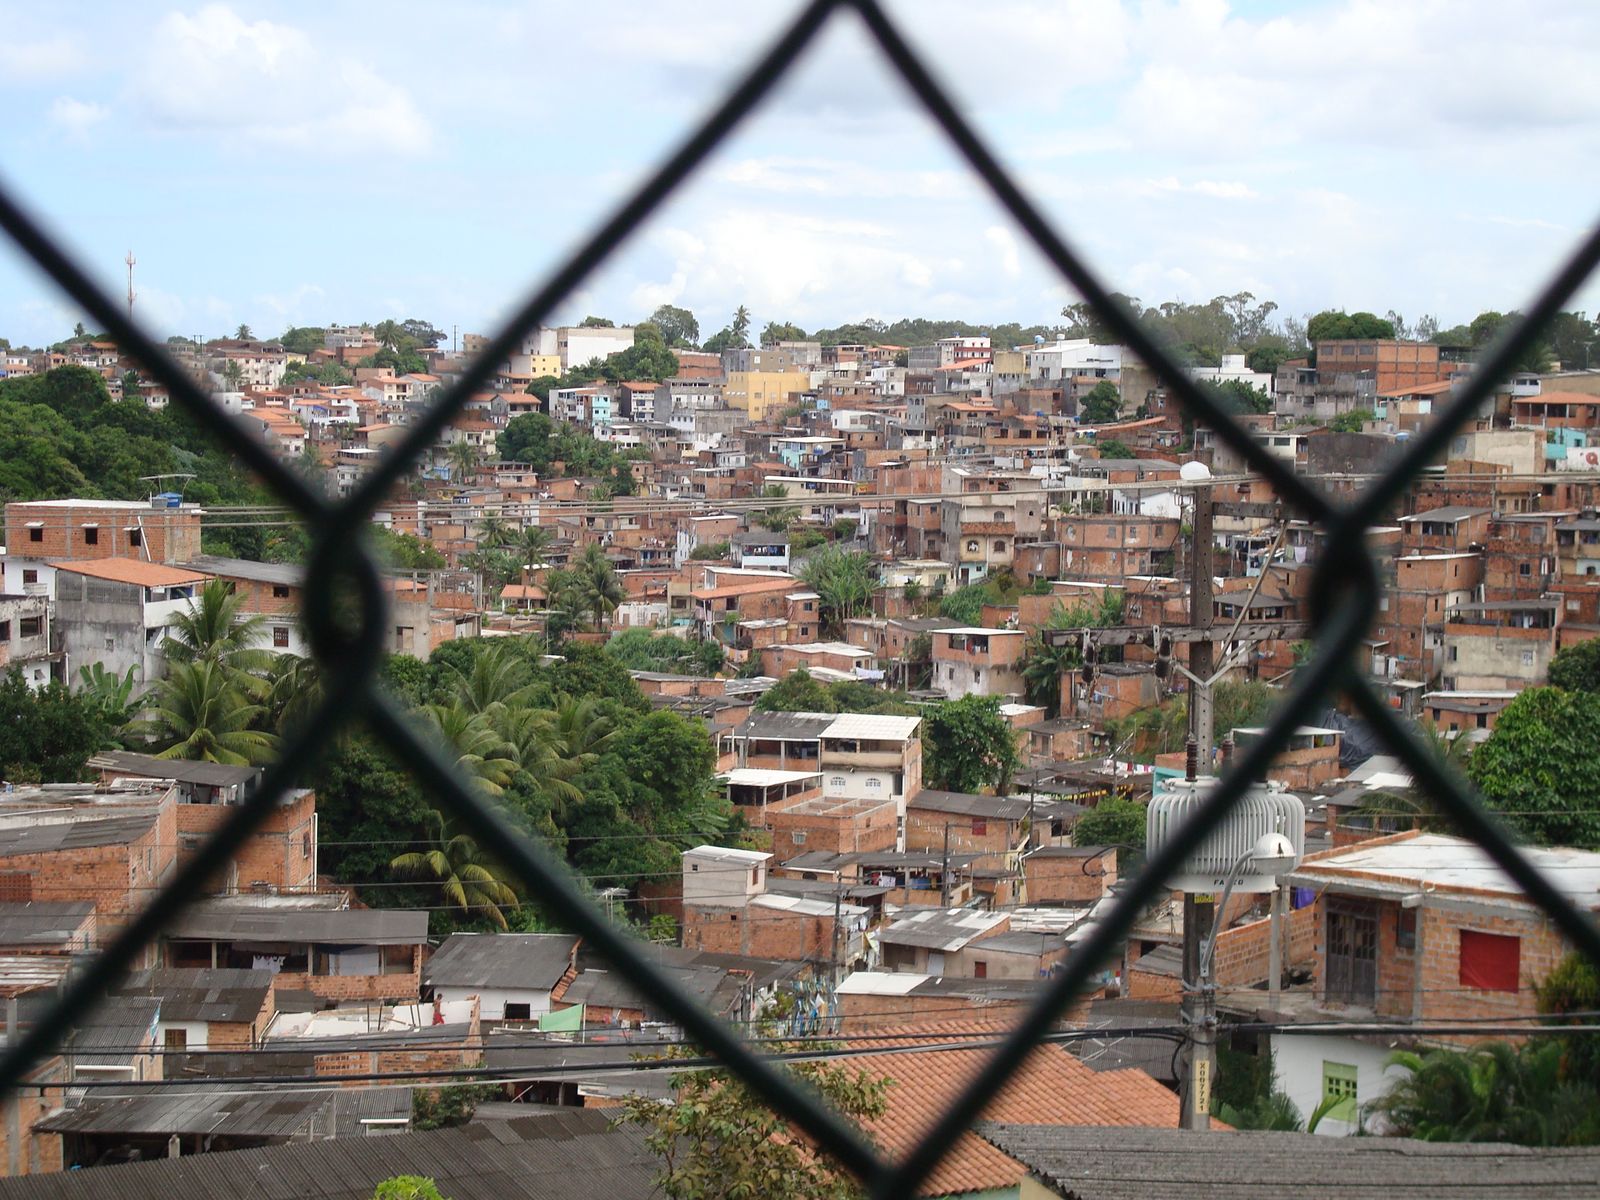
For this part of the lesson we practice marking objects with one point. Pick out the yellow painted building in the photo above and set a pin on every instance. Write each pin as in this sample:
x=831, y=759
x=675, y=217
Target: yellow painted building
x=763, y=393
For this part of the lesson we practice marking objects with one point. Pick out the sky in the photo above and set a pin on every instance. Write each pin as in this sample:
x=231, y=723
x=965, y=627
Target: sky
x=301, y=163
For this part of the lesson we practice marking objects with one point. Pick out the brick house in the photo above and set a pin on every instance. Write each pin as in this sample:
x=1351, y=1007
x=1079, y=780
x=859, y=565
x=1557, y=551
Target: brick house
x=728, y=910
x=338, y=954
x=207, y=1010
x=274, y=591
x=41, y=532
x=512, y=974
x=281, y=852
x=115, y=862
x=942, y=941
x=26, y=641
x=1424, y=928
x=974, y=661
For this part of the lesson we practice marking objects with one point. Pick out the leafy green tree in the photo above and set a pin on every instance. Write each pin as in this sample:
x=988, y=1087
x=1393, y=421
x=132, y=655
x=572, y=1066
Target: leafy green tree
x=1577, y=667
x=405, y=551
x=718, y=1140
x=650, y=357
x=646, y=650
x=1114, y=821
x=303, y=339
x=1351, y=422
x=232, y=376
x=1237, y=397
x=968, y=746
x=843, y=579
x=527, y=438
x=678, y=326
x=1269, y=356
x=710, y=552
x=448, y=1106
x=1100, y=404
x=1112, y=448
x=328, y=374
x=798, y=691
x=200, y=713
x=468, y=879
x=781, y=331
x=597, y=323
x=733, y=336
x=1541, y=766
x=464, y=458
x=778, y=517
x=47, y=734
x=366, y=803
x=1336, y=325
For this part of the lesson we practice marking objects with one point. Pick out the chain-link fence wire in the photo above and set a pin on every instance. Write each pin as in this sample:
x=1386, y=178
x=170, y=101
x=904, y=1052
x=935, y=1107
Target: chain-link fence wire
x=342, y=579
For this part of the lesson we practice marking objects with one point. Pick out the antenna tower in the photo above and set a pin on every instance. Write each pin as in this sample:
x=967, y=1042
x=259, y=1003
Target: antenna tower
x=130, y=260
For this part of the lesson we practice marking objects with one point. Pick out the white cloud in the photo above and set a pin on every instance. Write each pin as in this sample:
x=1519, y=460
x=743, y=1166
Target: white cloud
x=77, y=117
x=267, y=83
x=1005, y=246
x=30, y=62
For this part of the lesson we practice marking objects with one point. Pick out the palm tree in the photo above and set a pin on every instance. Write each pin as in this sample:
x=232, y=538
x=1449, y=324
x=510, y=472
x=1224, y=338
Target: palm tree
x=530, y=735
x=243, y=334
x=294, y=689
x=479, y=749
x=214, y=628
x=463, y=458
x=530, y=545
x=844, y=580
x=388, y=334
x=598, y=585
x=1491, y=1093
x=1392, y=812
x=498, y=679
x=471, y=882
x=494, y=532
x=199, y=713
x=578, y=734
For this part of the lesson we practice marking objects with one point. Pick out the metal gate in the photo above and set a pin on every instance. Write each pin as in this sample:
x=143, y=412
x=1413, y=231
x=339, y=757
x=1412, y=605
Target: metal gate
x=345, y=615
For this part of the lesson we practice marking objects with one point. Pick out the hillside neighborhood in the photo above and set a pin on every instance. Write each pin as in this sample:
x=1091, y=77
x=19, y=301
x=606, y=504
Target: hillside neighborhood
x=854, y=673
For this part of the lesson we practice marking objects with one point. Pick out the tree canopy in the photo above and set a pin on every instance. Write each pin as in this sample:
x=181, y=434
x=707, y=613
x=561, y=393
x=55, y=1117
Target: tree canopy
x=968, y=746
x=1541, y=766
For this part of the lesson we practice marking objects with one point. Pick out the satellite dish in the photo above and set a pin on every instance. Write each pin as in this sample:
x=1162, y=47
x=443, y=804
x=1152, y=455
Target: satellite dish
x=1194, y=471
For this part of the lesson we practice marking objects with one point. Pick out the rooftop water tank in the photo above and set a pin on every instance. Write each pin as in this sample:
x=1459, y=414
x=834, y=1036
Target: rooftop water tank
x=1261, y=810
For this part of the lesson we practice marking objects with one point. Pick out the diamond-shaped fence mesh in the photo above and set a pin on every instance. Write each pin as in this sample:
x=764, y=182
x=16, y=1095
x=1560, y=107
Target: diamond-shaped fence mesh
x=350, y=651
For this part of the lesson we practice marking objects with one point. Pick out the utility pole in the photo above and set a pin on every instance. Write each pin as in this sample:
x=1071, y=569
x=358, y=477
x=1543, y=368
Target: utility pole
x=1198, y=1006
x=944, y=870
x=130, y=260
x=1202, y=656
x=838, y=905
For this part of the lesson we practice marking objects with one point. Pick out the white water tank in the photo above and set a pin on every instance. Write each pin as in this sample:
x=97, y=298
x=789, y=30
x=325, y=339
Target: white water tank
x=1261, y=810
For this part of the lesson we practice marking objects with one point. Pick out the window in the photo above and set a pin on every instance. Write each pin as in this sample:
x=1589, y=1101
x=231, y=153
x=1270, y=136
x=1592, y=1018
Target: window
x=518, y=1012
x=280, y=591
x=1405, y=929
x=1527, y=658
x=972, y=547
x=177, y=1040
x=30, y=626
x=1524, y=569
x=305, y=845
x=30, y=576
x=1339, y=1085
x=5, y=631
x=35, y=533
x=980, y=826
x=1490, y=961
x=280, y=636
x=980, y=969
x=136, y=537
x=91, y=536
x=837, y=781
x=873, y=783
x=798, y=837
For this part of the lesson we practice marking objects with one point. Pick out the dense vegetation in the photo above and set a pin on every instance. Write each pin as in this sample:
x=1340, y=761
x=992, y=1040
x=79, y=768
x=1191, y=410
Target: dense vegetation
x=62, y=435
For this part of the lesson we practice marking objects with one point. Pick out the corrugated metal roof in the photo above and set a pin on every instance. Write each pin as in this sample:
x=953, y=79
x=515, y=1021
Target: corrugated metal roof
x=539, y=1157
x=872, y=726
x=148, y=766
x=349, y=926
x=1092, y=1163
x=533, y=961
x=203, y=993
x=42, y=922
x=76, y=834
